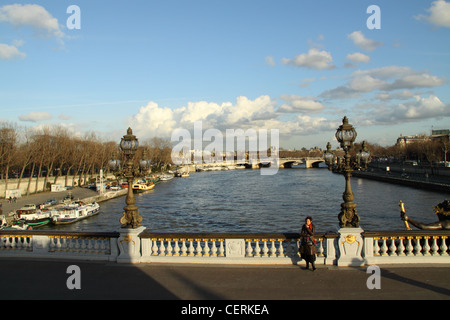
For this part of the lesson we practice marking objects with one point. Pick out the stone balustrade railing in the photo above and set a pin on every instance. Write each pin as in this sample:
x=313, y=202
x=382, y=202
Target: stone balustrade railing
x=407, y=247
x=277, y=248
x=65, y=245
x=144, y=246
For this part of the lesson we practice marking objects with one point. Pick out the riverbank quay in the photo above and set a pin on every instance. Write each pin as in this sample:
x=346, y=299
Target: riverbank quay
x=50, y=280
x=79, y=194
x=414, y=182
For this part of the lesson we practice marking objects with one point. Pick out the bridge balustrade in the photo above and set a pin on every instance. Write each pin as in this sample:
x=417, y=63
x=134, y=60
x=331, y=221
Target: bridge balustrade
x=407, y=247
x=224, y=248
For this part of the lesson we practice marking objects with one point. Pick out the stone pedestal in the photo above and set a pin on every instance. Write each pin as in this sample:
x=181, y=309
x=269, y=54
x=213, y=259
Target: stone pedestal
x=350, y=243
x=129, y=245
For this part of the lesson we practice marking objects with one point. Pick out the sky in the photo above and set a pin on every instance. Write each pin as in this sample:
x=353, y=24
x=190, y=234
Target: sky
x=295, y=66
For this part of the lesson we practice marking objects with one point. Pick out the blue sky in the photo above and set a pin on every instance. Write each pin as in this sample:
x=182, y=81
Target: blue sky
x=296, y=66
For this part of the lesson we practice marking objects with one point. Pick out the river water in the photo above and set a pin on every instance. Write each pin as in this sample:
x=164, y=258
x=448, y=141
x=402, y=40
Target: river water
x=246, y=201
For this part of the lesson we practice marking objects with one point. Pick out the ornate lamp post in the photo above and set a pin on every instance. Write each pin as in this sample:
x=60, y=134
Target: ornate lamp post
x=346, y=135
x=129, y=144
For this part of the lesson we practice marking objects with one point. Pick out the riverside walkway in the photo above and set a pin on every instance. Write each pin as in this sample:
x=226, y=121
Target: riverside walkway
x=42, y=280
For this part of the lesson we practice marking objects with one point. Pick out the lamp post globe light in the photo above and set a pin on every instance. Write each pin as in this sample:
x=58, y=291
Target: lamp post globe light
x=129, y=145
x=346, y=135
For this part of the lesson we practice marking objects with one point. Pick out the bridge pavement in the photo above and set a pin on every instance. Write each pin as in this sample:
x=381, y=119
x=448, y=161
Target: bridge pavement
x=44, y=279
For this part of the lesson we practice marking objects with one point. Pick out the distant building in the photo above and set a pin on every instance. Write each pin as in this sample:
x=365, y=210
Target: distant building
x=439, y=134
x=405, y=140
x=435, y=134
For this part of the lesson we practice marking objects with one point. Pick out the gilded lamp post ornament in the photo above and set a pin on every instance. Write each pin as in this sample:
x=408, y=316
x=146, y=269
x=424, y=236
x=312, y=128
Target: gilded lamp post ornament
x=346, y=135
x=128, y=145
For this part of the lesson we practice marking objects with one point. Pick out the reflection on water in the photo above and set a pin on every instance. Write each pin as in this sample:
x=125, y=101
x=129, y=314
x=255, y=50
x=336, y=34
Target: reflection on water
x=245, y=201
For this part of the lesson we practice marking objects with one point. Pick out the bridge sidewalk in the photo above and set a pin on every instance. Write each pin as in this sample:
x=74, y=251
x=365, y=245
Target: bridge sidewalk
x=43, y=279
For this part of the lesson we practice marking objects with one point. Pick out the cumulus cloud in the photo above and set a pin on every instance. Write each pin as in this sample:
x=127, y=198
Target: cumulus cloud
x=314, y=59
x=415, y=109
x=297, y=104
x=36, y=117
x=244, y=113
x=386, y=79
x=358, y=57
x=362, y=42
x=439, y=14
x=10, y=52
x=31, y=15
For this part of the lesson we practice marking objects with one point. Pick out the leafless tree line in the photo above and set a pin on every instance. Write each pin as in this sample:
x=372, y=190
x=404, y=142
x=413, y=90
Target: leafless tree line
x=55, y=154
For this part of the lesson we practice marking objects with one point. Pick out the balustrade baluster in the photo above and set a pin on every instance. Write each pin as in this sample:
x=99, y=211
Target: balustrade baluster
x=434, y=247
x=162, y=249
x=392, y=247
x=214, y=248
x=198, y=251
x=183, y=247
x=443, y=246
x=265, y=249
x=401, y=247
x=257, y=248
x=376, y=247
x=383, y=246
x=169, y=247
x=176, y=250
x=417, y=246
x=409, y=246
x=221, y=248
x=154, y=247
x=206, y=249
x=272, y=248
x=191, y=248
x=249, y=249
x=320, y=250
x=280, y=248
x=426, y=246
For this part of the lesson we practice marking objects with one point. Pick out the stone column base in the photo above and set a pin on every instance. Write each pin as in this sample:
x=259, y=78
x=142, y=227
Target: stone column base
x=129, y=245
x=350, y=243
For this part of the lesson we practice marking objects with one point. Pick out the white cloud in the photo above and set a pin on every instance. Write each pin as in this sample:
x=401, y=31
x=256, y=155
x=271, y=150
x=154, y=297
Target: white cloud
x=388, y=78
x=439, y=14
x=10, y=52
x=297, y=104
x=261, y=112
x=35, y=17
x=269, y=60
x=314, y=59
x=358, y=57
x=31, y=15
x=362, y=42
x=36, y=116
x=418, y=108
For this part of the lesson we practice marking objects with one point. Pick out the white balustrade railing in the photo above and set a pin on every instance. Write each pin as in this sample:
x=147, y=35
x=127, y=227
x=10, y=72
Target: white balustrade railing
x=67, y=245
x=407, y=247
x=377, y=247
x=224, y=248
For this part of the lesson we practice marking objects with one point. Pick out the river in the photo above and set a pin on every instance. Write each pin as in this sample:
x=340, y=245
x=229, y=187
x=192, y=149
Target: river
x=245, y=201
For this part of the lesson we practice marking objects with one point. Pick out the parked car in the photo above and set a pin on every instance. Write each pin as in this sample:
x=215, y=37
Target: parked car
x=28, y=207
x=50, y=202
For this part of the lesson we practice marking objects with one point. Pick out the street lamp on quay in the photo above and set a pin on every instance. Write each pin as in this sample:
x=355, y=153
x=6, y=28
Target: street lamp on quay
x=346, y=135
x=129, y=145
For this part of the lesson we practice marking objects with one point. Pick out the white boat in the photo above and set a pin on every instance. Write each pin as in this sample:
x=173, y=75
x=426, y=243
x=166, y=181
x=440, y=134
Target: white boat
x=75, y=212
x=35, y=218
x=166, y=177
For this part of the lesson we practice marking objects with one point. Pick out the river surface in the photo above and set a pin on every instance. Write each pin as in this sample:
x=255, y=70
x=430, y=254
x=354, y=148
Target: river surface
x=246, y=201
